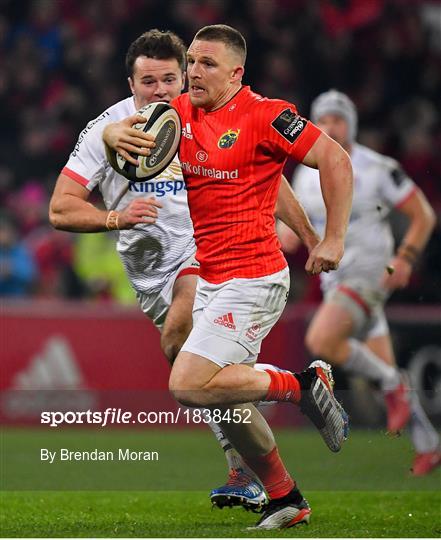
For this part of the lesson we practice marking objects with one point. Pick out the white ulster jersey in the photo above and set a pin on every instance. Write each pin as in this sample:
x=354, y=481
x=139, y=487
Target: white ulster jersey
x=379, y=185
x=151, y=253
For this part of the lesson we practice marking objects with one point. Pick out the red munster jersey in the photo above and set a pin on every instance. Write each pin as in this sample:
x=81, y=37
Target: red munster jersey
x=232, y=161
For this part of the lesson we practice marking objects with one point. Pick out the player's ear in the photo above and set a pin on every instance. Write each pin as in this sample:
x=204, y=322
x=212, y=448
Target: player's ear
x=184, y=78
x=237, y=73
x=131, y=85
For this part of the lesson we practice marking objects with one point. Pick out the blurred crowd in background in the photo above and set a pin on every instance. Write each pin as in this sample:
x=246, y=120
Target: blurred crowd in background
x=63, y=64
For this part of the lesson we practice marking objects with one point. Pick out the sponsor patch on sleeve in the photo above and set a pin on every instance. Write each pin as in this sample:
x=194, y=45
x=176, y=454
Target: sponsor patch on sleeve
x=398, y=176
x=289, y=125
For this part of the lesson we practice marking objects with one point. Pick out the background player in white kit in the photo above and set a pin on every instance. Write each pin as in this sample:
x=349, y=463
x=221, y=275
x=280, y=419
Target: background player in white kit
x=350, y=329
x=156, y=248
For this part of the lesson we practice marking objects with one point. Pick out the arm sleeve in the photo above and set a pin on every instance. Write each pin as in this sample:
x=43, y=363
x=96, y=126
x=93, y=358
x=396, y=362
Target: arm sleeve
x=87, y=163
x=289, y=133
x=396, y=187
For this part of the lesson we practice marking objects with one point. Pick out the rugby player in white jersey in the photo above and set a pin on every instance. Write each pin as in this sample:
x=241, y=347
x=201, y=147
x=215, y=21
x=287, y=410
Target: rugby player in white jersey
x=349, y=329
x=155, y=234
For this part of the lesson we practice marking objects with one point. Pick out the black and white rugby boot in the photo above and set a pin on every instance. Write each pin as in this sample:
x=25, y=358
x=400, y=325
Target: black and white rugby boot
x=319, y=404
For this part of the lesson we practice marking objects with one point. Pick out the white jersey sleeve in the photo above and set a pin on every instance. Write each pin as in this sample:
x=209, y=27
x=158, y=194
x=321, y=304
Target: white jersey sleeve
x=395, y=187
x=87, y=162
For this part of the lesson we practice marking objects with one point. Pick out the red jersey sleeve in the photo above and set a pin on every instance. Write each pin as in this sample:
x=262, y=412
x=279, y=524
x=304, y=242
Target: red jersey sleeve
x=288, y=132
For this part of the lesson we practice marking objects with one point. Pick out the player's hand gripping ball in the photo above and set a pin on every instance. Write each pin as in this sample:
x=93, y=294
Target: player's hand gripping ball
x=163, y=122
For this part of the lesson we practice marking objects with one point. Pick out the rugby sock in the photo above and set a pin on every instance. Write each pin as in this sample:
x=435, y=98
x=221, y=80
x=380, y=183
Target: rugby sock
x=284, y=386
x=423, y=435
x=234, y=459
x=272, y=473
x=260, y=366
x=363, y=361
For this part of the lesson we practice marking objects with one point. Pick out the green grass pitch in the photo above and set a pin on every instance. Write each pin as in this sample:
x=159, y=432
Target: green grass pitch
x=364, y=491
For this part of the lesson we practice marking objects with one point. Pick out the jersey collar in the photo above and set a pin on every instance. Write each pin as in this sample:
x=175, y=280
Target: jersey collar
x=233, y=102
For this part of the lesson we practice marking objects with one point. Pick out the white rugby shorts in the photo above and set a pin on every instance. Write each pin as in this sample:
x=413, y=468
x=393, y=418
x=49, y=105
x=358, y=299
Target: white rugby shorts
x=156, y=305
x=365, y=304
x=231, y=319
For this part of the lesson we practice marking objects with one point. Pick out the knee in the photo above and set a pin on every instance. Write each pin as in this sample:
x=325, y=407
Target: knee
x=186, y=398
x=183, y=391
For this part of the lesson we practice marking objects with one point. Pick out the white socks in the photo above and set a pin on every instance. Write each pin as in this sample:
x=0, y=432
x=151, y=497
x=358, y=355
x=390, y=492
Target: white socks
x=424, y=436
x=234, y=459
x=364, y=362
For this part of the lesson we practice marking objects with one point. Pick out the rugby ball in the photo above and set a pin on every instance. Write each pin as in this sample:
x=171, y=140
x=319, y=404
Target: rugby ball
x=163, y=122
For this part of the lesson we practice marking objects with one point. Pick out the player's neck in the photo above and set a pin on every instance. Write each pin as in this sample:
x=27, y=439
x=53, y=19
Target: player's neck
x=348, y=147
x=225, y=98
x=137, y=105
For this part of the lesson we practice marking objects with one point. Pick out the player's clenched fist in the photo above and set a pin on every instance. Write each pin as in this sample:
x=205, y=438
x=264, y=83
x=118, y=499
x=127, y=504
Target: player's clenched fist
x=138, y=211
x=124, y=138
x=325, y=256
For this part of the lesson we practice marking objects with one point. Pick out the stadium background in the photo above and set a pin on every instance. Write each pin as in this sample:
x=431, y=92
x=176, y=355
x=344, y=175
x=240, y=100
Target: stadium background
x=70, y=327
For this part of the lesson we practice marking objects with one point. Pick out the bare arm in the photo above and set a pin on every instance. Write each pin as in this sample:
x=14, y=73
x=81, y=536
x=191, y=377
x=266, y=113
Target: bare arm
x=291, y=212
x=335, y=170
x=421, y=223
x=69, y=210
x=288, y=239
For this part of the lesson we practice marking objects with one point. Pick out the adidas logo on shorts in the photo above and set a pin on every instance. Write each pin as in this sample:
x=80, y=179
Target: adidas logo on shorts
x=226, y=320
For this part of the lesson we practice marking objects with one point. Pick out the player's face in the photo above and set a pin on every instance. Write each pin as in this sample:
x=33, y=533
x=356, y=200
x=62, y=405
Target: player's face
x=214, y=74
x=155, y=80
x=336, y=127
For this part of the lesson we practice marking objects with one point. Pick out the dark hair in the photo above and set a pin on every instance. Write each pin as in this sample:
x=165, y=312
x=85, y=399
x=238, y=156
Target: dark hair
x=158, y=44
x=226, y=34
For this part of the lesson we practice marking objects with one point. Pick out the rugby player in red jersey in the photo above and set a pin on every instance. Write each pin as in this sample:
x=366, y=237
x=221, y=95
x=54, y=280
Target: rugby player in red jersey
x=234, y=146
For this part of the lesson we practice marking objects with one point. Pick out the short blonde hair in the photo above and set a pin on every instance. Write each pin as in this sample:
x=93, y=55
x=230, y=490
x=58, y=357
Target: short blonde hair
x=225, y=34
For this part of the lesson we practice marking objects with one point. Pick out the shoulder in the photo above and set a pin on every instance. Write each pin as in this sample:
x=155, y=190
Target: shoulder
x=116, y=112
x=181, y=102
x=279, y=116
x=121, y=109
x=386, y=170
x=90, y=136
x=270, y=108
x=365, y=156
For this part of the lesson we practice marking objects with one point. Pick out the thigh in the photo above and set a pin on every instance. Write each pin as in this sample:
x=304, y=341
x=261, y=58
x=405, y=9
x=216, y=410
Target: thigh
x=179, y=316
x=331, y=323
x=191, y=371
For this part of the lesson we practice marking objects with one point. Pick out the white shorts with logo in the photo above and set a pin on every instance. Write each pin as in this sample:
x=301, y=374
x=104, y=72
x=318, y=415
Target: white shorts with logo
x=156, y=305
x=231, y=319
